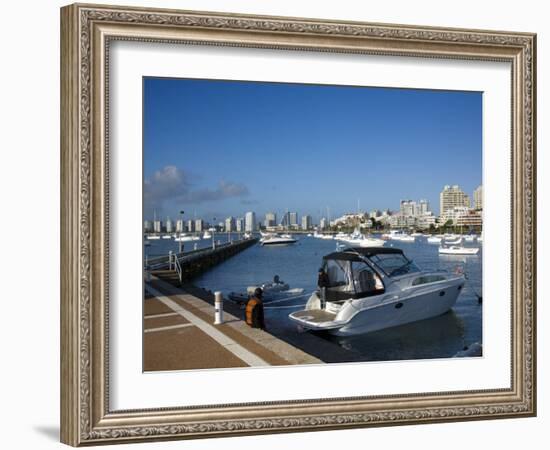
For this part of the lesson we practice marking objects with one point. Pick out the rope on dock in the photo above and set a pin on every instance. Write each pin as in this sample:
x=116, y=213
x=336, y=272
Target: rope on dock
x=287, y=298
x=283, y=307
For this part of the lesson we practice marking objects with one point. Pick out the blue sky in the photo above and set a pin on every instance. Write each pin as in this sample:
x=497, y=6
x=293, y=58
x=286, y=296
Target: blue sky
x=221, y=148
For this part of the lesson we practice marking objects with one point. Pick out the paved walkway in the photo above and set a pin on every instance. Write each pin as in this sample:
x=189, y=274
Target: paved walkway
x=179, y=334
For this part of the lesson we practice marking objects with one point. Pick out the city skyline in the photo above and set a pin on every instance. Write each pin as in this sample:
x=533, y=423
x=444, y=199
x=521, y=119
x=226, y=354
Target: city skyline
x=222, y=148
x=407, y=207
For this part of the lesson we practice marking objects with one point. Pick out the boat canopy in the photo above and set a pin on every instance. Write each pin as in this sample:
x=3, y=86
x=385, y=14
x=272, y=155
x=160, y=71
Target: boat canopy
x=390, y=261
x=350, y=279
x=356, y=254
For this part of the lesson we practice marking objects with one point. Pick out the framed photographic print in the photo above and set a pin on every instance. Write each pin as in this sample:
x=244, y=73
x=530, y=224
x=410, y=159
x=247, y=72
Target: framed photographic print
x=276, y=224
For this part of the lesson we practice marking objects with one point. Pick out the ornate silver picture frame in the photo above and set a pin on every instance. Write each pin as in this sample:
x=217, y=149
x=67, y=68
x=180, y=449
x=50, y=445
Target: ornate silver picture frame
x=87, y=32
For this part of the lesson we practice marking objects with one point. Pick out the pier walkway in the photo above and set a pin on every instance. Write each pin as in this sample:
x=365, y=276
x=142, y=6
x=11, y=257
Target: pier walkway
x=179, y=334
x=185, y=266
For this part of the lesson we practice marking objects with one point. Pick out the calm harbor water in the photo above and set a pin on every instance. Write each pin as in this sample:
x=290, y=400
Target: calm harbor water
x=297, y=264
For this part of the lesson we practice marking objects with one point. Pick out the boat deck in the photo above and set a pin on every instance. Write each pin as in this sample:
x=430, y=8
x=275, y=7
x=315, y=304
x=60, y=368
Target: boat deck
x=315, y=315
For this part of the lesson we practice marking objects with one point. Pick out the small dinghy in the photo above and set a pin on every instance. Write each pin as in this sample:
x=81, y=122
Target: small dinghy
x=272, y=290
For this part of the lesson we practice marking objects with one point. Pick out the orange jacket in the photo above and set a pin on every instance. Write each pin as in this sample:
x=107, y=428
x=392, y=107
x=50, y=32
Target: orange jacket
x=254, y=313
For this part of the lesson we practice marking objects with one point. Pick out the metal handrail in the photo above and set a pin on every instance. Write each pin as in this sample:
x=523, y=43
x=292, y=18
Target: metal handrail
x=177, y=267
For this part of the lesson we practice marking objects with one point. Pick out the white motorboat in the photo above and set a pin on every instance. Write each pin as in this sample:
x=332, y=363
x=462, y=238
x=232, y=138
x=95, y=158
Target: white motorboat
x=184, y=238
x=458, y=250
x=166, y=236
x=455, y=242
x=277, y=240
x=370, y=289
x=342, y=236
x=470, y=237
x=325, y=236
x=152, y=237
x=407, y=238
x=398, y=235
x=371, y=242
x=358, y=239
x=207, y=235
x=434, y=240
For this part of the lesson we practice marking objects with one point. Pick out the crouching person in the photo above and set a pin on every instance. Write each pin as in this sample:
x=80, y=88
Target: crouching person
x=254, y=314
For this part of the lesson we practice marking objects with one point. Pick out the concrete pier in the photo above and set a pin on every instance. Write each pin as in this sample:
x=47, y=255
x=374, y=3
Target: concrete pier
x=179, y=334
x=193, y=263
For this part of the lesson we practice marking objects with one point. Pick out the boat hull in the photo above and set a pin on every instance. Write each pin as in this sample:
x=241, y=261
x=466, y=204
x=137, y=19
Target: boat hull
x=462, y=251
x=391, y=315
x=273, y=242
x=423, y=304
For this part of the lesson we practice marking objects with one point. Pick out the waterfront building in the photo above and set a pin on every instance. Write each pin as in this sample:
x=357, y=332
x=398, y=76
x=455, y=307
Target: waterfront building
x=323, y=223
x=239, y=225
x=375, y=213
x=199, y=225
x=454, y=213
x=250, y=222
x=157, y=226
x=147, y=226
x=190, y=226
x=470, y=219
x=401, y=221
x=424, y=221
x=306, y=222
x=478, y=198
x=230, y=224
x=270, y=219
x=180, y=226
x=451, y=197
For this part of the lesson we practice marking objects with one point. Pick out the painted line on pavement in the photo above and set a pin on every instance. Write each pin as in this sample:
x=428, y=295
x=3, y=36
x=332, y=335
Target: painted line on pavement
x=156, y=316
x=169, y=327
x=225, y=341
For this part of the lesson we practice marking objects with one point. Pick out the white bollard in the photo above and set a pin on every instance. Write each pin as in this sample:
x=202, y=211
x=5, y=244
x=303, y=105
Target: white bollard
x=218, y=306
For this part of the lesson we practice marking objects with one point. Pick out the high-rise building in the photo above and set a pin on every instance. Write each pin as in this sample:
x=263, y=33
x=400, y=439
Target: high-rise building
x=250, y=222
x=306, y=222
x=270, y=219
x=293, y=219
x=199, y=225
x=157, y=226
x=423, y=207
x=147, y=226
x=451, y=197
x=478, y=198
x=180, y=226
x=239, y=225
x=285, y=221
x=323, y=223
x=407, y=208
x=230, y=224
x=169, y=225
x=190, y=226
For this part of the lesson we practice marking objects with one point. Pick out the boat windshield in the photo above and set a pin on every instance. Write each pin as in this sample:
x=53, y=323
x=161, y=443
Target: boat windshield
x=347, y=279
x=394, y=264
